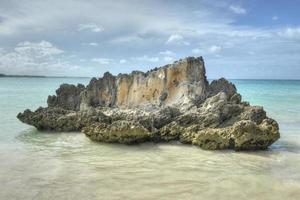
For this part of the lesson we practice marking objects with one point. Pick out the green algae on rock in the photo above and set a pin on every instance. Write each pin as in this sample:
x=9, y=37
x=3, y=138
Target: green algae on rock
x=170, y=103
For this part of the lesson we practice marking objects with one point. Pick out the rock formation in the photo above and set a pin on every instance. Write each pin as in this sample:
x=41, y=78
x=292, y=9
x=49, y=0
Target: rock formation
x=174, y=102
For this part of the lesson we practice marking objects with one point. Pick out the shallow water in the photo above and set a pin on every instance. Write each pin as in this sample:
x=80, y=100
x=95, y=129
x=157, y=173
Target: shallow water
x=69, y=166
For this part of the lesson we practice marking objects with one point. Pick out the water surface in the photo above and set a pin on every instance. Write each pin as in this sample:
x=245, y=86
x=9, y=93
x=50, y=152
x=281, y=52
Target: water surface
x=38, y=165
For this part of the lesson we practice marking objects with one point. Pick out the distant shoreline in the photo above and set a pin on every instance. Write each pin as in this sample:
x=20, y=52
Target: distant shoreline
x=35, y=76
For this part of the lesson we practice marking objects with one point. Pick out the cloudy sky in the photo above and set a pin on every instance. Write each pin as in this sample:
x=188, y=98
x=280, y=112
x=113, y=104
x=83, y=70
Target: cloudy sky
x=238, y=39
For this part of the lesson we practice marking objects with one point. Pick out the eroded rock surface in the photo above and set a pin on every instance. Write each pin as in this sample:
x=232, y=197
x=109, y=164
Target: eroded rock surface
x=174, y=102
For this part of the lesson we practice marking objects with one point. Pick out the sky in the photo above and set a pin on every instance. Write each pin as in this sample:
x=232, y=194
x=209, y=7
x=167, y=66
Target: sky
x=238, y=39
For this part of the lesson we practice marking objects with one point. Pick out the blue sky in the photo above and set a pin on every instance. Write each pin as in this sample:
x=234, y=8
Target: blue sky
x=238, y=39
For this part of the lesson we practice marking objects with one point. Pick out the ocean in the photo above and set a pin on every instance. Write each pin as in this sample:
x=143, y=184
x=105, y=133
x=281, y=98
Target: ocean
x=36, y=165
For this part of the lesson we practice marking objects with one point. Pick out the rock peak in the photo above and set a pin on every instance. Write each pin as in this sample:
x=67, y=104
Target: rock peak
x=179, y=83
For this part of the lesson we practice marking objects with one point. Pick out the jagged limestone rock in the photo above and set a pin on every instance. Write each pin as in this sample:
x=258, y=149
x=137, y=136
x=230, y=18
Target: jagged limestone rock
x=67, y=97
x=59, y=119
x=174, y=102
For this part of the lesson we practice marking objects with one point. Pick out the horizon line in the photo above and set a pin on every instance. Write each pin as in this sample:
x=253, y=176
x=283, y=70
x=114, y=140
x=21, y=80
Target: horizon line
x=45, y=76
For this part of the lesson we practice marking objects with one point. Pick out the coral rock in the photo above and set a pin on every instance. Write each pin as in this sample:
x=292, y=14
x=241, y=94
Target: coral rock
x=170, y=103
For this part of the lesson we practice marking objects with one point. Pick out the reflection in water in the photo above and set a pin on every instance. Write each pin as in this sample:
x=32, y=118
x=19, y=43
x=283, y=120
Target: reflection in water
x=70, y=166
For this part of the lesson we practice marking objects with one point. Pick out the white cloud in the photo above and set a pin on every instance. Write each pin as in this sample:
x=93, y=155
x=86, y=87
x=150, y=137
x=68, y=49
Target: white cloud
x=122, y=61
x=292, y=33
x=167, y=53
x=34, y=58
x=238, y=9
x=177, y=39
x=102, y=61
x=2, y=50
x=40, y=49
x=90, y=27
x=146, y=58
x=93, y=44
x=275, y=18
x=196, y=51
x=168, y=59
x=215, y=49
x=174, y=38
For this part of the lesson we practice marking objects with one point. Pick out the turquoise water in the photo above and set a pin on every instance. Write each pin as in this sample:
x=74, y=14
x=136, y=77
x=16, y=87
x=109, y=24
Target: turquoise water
x=69, y=166
x=280, y=98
